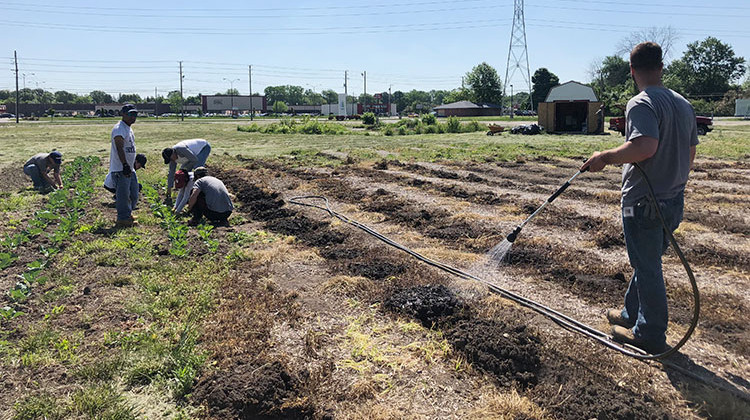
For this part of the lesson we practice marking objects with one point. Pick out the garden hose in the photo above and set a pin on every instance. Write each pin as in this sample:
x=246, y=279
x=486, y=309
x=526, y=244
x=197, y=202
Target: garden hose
x=563, y=320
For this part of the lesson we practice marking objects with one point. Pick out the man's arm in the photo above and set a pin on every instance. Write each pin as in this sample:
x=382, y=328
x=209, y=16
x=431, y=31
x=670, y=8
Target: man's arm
x=58, y=179
x=636, y=150
x=193, y=198
x=170, y=177
x=50, y=181
x=692, y=156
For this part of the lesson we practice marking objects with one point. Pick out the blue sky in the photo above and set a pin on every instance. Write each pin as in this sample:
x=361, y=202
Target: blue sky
x=135, y=47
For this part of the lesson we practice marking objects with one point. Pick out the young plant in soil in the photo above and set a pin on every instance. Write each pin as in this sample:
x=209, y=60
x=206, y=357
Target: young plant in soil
x=176, y=231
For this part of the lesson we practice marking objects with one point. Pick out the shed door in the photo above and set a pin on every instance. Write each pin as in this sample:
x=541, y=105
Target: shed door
x=570, y=116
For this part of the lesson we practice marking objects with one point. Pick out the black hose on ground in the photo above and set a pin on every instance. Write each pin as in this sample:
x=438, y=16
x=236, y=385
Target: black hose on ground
x=557, y=317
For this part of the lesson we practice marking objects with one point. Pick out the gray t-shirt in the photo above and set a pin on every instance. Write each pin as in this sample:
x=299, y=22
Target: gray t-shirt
x=665, y=115
x=41, y=162
x=217, y=196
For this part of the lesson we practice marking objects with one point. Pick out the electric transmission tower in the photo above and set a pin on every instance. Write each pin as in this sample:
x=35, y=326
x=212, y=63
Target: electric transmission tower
x=518, y=51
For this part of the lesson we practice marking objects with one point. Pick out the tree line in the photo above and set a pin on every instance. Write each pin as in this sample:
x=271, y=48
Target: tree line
x=708, y=74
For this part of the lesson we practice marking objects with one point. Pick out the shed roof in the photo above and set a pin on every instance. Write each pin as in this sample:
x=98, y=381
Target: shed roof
x=571, y=91
x=467, y=105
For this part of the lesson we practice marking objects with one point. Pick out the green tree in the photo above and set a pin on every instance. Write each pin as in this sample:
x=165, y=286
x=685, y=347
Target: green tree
x=232, y=91
x=100, y=97
x=64, y=97
x=289, y=94
x=484, y=84
x=331, y=97
x=193, y=100
x=279, y=107
x=541, y=82
x=707, y=69
x=132, y=98
x=456, y=95
x=174, y=99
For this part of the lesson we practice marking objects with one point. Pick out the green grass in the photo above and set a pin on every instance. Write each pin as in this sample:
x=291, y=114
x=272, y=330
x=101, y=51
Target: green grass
x=726, y=142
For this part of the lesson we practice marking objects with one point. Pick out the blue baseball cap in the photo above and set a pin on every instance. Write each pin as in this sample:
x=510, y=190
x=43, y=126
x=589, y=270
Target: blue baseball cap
x=56, y=157
x=128, y=109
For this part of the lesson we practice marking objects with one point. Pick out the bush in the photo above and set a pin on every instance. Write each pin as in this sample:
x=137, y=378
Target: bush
x=431, y=129
x=388, y=131
x=453, y=125
x=402, y=131
x=429, y=119
x=368, y=118
x=473, y=126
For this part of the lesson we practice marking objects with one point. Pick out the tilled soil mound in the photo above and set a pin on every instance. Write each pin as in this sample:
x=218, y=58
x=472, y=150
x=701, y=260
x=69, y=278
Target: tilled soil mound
x=429, y=304
x=251, y=392
x=510, y=352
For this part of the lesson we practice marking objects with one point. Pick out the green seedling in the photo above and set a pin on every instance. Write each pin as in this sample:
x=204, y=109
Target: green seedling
x=20, y=292
x=7, y=259
x=8, y=313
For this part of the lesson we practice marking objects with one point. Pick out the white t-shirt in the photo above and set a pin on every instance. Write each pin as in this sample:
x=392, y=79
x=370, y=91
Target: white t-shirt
x=184, y=194
x=194, y=145
x=109, y=182
x=123, y=130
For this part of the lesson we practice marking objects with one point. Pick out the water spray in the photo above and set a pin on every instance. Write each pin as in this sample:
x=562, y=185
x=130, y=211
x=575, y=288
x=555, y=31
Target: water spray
x=499, y=251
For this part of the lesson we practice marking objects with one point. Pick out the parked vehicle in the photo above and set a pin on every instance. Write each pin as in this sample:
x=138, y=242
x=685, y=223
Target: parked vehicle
x=705, y=124
x=7, y=115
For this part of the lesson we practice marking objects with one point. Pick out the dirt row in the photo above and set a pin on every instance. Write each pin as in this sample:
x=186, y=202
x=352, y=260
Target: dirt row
x=575, y=269
x=505, y=348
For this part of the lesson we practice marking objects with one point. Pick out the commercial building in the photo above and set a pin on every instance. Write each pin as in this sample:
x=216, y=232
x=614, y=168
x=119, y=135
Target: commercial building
x=220, y=104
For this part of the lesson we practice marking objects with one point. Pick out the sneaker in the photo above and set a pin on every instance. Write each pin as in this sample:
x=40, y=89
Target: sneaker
x=614, y=316
x=193, y=222
x=625, y=335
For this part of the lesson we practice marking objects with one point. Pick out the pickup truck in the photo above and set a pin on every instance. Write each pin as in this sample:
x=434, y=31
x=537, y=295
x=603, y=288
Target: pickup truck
x=705, y=124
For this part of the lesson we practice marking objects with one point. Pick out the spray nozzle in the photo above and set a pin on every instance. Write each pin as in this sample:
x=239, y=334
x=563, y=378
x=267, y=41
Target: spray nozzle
x=513, y=235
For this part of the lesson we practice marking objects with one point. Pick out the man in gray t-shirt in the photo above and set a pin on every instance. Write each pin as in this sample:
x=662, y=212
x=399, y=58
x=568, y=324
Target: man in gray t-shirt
x=660, y=138
x=38, y=168
x=209, y=198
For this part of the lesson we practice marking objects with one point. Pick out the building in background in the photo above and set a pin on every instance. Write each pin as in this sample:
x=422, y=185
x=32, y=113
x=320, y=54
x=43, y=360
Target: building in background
x=468, y=109
x=570, y=108
x=220, y=104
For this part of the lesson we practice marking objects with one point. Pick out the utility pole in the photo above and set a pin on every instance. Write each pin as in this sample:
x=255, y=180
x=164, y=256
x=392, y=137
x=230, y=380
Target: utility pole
x=250, y=83
x=518, y=50
x=182, y=98
x=15, y=58
x=389, y=100
x=511, y=102
x=156, y=104
x=364, y=109
x=346, y=91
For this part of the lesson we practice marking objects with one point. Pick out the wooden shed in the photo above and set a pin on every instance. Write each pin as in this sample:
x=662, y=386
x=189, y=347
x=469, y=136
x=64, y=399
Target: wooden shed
x=571, y=108
x=468, y=109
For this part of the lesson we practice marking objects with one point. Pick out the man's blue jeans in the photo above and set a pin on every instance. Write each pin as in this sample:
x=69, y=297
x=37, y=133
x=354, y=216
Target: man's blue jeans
x=646, y=241
x=126, y=194
x=203, y=156
x=36, y=176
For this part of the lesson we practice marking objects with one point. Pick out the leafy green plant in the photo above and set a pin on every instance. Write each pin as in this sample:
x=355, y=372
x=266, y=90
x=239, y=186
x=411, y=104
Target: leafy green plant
x=429, y=119
x=7, y=312
x=453, y=125
x=368, y=118
x=7, y=259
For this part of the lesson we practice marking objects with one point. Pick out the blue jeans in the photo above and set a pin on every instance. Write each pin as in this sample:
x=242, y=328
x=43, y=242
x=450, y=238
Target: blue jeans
x=646, y=241
x=126, y=194
x=203, y=156
x=36, y=176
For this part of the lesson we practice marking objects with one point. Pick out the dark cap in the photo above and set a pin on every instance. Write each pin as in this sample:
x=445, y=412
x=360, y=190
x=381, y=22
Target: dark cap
x=128, y=109
x=56, y=157
x=167, y=154
x=141, y=159
x=200, y=172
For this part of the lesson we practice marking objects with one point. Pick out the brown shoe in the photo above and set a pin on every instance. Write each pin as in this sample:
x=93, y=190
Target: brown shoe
x=625, y=335
x=614, y=316
x=126, y=223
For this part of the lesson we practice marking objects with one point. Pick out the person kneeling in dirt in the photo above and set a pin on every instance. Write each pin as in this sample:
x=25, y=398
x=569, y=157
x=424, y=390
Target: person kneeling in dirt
x=109, y=183
x=190, y=154
x=184, y=182
x=38, y=167
x=209, y=197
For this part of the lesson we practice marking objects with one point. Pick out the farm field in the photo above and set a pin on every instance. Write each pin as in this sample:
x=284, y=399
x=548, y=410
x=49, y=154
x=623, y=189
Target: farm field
x=289, y=313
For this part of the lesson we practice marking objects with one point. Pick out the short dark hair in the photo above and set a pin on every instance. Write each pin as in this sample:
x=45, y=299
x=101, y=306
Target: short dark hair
x=646, y=56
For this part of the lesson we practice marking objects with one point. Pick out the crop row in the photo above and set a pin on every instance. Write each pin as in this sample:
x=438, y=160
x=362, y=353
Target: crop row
x=64, y=207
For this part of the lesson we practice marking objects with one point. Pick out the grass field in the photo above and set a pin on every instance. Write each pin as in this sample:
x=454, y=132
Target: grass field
x=289, y=314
